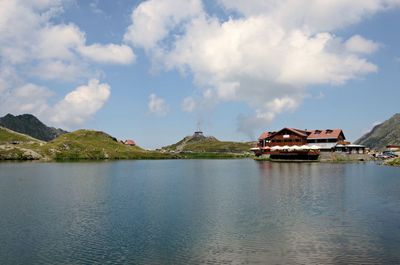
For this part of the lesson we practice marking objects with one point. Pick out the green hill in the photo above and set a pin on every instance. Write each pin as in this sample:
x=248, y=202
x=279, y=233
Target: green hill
x=30, y=125
x=200, y=144
x=94, y=145
x=8, y=136
x=386, y=133
x=17, y=146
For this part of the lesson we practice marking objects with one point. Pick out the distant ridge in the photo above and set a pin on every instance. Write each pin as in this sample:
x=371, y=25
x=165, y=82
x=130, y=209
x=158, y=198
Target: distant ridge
x=386, y=133
x=30, y=125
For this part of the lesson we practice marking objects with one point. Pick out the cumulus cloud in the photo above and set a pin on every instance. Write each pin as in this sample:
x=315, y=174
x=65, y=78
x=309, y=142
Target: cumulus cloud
x=267, y=55
x=59, y=70
x=314, y=15
x=153, y=20
x=157, y=105
x=28, y=98
x=75, y=108
x=32, y=44
x=111, y=53
x=34, y=37
x=81, y=104
x=358, y=44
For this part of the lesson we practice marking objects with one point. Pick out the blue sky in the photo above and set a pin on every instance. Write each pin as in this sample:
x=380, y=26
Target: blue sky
x=153, y=70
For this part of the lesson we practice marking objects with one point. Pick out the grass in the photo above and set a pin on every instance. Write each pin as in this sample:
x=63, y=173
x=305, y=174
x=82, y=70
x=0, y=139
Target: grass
x=218, y=146
x=94, y=145
x=7, y=137
x=17, y=146
x=210, y=145
x=394, y=162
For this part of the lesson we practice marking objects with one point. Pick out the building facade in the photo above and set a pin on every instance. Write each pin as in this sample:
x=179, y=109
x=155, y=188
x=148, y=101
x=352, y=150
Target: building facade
x=328, y=140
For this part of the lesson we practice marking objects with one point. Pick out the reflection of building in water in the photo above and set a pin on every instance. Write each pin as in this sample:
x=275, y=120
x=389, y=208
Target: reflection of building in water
x=315, y=209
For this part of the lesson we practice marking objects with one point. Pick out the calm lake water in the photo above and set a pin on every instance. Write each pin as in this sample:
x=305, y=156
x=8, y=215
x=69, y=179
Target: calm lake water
x=199, y=211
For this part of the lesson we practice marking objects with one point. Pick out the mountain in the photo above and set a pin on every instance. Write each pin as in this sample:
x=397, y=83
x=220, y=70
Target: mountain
x=198, y=143
x=30, y=125
x=386, y=133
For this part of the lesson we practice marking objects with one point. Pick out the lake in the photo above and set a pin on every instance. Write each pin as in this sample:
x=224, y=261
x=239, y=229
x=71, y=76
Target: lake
x=199, y=211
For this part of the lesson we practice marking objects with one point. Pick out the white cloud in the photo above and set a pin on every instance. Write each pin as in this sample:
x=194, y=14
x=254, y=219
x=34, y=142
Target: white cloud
x=80, y=104
x=157, y=105
x=28, y=98
x=358, y=44
x=74, y=109
x=266, y=57
x=314, y=15
x=35, y=40
x=32, y=44
x=189, y=104
x=111, y=53
x=58, y=42
x=153, y=20
x=59, y=70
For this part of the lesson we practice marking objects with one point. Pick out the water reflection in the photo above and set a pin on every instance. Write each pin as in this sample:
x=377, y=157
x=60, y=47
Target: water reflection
x=201, y=211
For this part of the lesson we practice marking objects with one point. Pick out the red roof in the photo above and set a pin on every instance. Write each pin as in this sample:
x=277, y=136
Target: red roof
x=296, y=131
x=264, y=135
x=130, y=142
x=325, y=134
x=310, y=134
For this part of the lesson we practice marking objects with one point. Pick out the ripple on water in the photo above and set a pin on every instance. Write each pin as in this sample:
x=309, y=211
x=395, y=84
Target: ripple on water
x=199, y=212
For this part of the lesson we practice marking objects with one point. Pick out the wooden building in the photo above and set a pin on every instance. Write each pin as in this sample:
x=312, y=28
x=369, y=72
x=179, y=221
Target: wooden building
x=286, y=136
x=289, y=142
x=291, y=136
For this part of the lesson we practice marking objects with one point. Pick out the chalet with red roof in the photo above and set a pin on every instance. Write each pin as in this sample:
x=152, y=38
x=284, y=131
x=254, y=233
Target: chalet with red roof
x=327, y=140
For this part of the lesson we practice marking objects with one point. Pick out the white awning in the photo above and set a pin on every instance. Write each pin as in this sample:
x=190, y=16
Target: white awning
x=295, y=147
x=276, y=148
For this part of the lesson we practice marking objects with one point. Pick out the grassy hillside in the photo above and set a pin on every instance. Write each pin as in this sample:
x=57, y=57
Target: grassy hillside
x=8, y=136
x=215, y=146
x=94, y=145
x=202, y=144
x=383, y=134
x=17, y=146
